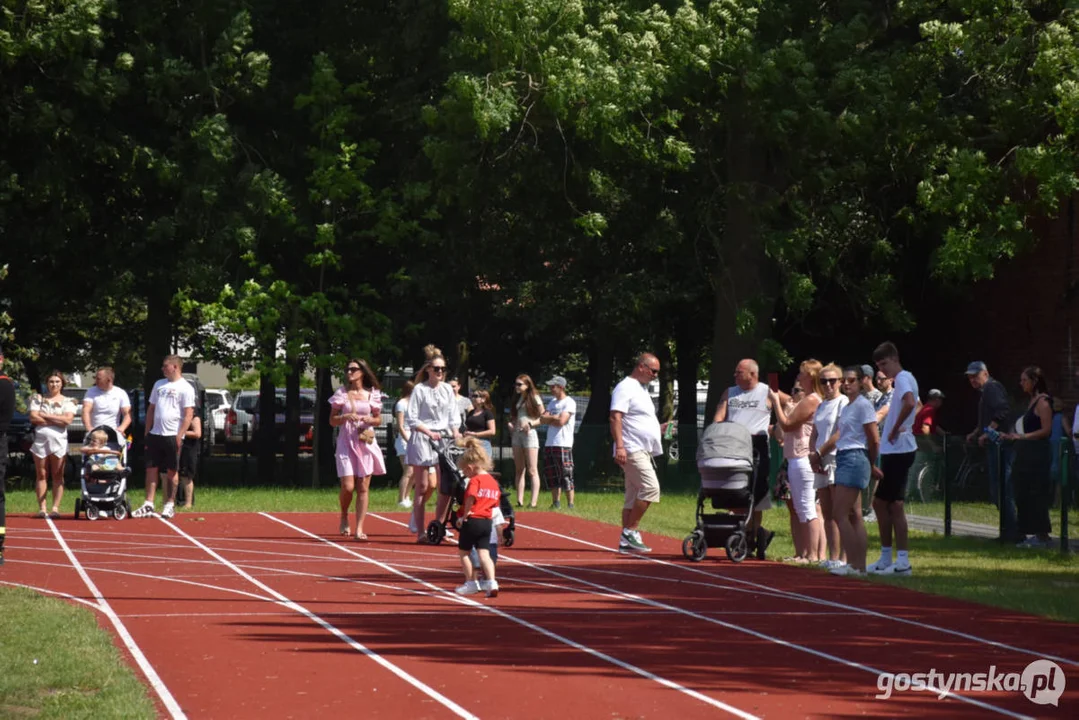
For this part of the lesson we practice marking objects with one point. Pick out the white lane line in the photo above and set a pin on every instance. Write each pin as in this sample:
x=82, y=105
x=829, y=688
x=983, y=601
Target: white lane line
x=410, y=679
x=730, y=626
x=129, y=642
x=821, y=601
x=46, y=591
x=525, y=623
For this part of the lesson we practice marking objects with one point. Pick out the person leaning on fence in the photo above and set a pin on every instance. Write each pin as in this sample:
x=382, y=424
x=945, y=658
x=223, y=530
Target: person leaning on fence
x=898, y=449
x=7, y=409
x=993, y=411
x=748, y=404
x=637, y=440
x=558, y=452
x=1030, y=472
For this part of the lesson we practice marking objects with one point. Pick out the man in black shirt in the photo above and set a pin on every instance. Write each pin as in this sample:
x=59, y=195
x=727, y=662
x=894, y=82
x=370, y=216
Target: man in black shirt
x=993, y=410
x=7, y=408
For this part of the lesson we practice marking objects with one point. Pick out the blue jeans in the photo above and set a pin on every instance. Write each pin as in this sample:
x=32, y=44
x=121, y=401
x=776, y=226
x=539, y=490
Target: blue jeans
x=1009, y=527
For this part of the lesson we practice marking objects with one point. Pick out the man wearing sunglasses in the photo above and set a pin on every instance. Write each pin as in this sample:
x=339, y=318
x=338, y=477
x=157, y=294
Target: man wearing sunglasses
x=637, y=440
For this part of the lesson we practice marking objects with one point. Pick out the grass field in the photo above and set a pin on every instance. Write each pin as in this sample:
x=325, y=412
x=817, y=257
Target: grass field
x=80, y=674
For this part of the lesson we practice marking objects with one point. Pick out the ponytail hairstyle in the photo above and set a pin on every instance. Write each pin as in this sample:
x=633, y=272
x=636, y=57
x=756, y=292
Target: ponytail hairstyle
x=475, y=456
x=812, y=368
x=430, y=353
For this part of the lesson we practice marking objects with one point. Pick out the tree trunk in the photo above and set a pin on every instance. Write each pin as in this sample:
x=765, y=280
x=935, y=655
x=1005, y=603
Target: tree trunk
x=158, y=336
x=666, y=381
x=324, y=444
x=292, y=423
x=600, y=381
x=745, y=281
x=266, y=433
x=688, y=346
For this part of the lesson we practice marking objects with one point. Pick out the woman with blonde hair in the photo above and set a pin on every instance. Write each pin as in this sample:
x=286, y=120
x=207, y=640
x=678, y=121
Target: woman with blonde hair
x=797, y=427
x=525, y=414
x=50, y=414
x=823, y=464
x=431, y=413
x=356, y=408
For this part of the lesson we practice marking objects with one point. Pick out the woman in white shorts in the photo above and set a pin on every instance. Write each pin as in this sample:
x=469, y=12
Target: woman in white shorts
x=432, y=411
x=824, y=420
x=400, y=445
x=797, y=427
x=524, y=419
x=50, y=415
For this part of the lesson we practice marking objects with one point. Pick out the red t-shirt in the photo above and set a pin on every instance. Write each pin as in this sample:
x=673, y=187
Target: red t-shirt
x=485, y=489
x=926, y=416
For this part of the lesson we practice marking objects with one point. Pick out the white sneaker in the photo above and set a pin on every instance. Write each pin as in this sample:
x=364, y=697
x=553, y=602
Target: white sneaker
x=406, y=503
x=469, y=588
x=449, y=534
x=490, y=587
x=147, y=510
x=831, y=564
x=898, y=569
x=168, y=511
x=870, y=517
x=878, y=567
x=847, y=570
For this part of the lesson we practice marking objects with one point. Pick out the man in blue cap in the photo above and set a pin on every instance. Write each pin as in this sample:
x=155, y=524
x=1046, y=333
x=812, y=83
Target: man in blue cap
x=993, y=411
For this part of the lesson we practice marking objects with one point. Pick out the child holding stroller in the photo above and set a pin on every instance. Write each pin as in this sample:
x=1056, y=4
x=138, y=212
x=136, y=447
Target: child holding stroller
x=99, y=455
x=474, y=519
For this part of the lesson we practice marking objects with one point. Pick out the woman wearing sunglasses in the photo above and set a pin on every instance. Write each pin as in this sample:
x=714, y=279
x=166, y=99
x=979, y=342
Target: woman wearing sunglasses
x=432, y=412
x=797, y=428
x=480, y=420
x=524, y=419
x=824, y=420
x=356, y=408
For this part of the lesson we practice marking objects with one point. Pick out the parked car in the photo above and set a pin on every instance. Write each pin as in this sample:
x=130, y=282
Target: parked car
x=20, y=433
x=245, y=411
x=76, y=431
x=218, y=403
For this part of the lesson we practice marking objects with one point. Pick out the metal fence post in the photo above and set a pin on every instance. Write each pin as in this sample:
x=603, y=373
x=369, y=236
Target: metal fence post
x=243, y=458
x=1066, y=450
x=946, y=482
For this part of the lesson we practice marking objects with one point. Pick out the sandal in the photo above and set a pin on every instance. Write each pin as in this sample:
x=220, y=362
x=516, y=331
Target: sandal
x=54, y=513
x=42, y=515
x=343, y=528
x=360, y=536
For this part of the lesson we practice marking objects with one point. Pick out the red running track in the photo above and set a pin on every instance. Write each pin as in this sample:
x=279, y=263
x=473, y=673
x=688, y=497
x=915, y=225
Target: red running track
x=256, y=615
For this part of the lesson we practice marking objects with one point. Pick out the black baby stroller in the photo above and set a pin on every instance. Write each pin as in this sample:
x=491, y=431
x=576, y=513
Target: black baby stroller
x=725, y=462
x=454, y=483
x=104, y=485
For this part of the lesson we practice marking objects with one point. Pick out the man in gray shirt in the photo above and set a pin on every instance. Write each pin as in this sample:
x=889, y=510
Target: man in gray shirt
x=993, y=410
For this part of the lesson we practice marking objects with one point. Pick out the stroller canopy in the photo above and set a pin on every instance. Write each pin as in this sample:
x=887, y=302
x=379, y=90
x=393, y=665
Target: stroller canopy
x=725, y=444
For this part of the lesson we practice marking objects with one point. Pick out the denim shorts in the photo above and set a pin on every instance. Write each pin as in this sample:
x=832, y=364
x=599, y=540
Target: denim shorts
x=852, y=468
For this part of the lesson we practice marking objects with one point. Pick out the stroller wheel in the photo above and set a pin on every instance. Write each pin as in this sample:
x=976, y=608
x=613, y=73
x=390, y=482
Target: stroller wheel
x=119, y=511
x=78, y=507
x=737, y=548
x=694, y=547
x=92, y=513
x=436, y=531
x=507, y=537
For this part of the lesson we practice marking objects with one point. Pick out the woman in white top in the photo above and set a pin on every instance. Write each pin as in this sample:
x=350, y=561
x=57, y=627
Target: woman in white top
x=432, y=411
x=796, y=426
x=400, y=445
x=856, y=441
x=525, y=416
x=50, y=415
x=824, y=421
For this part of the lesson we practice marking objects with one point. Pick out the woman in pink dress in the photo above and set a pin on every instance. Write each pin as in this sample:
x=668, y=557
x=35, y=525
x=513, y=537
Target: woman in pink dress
x=353, y=408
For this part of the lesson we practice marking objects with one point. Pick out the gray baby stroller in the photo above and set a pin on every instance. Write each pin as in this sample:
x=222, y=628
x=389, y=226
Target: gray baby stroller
x=725, y=462
x=104, y=484
x=453, y=483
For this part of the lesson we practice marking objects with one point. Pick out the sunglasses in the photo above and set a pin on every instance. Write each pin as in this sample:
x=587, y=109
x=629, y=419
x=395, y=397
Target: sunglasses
x=438, y=368
x=881, y=378
x=829, y=381
x=795, y=391
x=476, y=396
x=520, y=385
x=654, y=371
x=352, y=369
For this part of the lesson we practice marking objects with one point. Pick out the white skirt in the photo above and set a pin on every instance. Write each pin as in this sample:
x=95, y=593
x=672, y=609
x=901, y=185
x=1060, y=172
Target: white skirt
x=49, y=441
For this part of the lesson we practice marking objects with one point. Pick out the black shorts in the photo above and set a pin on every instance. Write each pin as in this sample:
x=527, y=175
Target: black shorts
x=475, y=533
x=161, y=452
x=893, y=486
x=762, y=468
x=189, y=459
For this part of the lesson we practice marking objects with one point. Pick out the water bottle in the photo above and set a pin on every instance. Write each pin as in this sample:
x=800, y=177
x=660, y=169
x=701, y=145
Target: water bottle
x=992, y=434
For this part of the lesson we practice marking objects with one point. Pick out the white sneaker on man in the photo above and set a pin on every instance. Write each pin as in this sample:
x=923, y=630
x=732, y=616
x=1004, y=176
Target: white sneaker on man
x=880, y=566
x=899, y=568
x=490, y=587
x=469, y=588
x=168, y=511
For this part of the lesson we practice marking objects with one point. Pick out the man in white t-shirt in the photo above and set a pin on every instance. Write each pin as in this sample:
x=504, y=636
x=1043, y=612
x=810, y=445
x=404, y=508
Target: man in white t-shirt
x=106, y=404
x=169, y=411
x=897, y=451
x=637, y=439
x=558, y=452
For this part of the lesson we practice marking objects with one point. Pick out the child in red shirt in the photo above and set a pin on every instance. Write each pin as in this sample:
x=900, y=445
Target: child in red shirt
x=474, y=519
